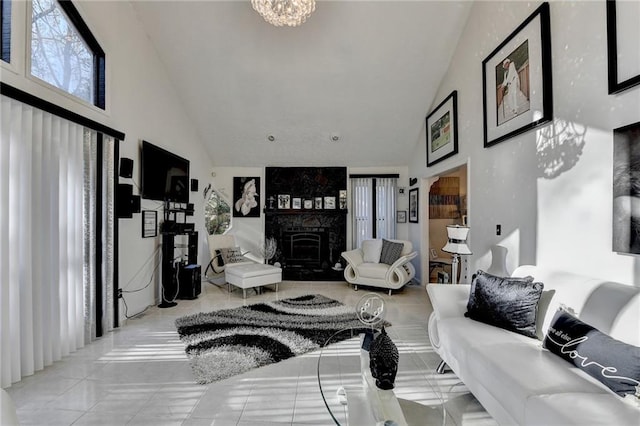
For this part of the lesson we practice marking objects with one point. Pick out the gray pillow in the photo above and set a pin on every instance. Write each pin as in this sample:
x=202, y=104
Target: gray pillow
x=390, y=252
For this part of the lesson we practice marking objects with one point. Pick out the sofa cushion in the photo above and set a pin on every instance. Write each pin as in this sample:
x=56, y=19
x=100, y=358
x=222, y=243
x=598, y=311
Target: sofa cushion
x=376, y=271
x=614, y=363
x=371, y=250
x=515, y=372
x=390, y=252
x=505, y=303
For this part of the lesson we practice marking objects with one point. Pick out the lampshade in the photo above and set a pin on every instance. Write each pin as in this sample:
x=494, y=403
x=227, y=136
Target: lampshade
x=457, y=240
x=284, y=12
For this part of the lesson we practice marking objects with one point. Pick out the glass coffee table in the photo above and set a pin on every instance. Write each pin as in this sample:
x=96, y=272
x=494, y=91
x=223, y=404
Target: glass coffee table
x=352, y=399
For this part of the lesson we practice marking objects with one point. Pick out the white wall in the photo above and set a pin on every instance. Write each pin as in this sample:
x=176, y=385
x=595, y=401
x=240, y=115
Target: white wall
x=142, y=103
x=558, y=219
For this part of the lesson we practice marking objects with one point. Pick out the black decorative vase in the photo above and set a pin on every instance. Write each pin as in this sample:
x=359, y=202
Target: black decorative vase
x=383, y=360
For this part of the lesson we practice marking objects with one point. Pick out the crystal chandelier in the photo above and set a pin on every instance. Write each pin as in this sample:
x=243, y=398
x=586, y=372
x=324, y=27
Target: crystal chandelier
x=284, y=12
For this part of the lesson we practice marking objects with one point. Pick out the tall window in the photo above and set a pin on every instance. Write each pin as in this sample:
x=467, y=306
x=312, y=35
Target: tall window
x=5, y=34
x=64, y=53
x=374, y=207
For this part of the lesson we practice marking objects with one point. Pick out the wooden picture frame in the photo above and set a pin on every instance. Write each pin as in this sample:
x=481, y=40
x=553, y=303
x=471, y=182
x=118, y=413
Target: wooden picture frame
x=414, y=208
x=623, y=53
x=517, y=80
x=442, y=130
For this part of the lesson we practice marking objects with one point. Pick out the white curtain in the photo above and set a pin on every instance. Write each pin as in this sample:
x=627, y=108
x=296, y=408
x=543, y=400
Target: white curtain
x=42, y=239
x=362, y=191
x=385, y=207
x=362, y=211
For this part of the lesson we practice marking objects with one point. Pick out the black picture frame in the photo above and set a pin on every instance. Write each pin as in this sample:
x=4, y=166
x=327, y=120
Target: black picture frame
x=442, y=130
x=149, y=223
x=626, y=168
x=246, y=196
x=414, y=205
x=630, y=78
x=514, y=106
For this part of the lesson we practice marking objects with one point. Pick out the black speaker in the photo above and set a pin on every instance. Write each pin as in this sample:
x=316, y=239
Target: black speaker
x=124, y=196
x=194, y=185
x=126, y=203
x=189, y=281
x=126, y=167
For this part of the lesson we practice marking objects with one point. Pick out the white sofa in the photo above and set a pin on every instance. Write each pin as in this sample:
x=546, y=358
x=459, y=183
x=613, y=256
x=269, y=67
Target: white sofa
x=365, y=268
x=513, y=377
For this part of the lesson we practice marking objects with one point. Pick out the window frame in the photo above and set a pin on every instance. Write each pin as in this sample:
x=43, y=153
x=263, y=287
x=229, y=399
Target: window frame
x=99, y=61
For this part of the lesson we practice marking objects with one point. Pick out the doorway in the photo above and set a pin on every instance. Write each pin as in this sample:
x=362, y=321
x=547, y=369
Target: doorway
x=447, y=204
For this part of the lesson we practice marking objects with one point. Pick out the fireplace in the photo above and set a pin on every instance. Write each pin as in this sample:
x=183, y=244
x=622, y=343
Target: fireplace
x=311, y=232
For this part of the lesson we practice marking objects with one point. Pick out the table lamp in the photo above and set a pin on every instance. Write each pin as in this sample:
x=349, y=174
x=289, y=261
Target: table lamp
x=456, y=245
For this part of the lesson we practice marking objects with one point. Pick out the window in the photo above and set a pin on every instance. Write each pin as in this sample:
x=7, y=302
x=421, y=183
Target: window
x=64, y=53
x=217, y=213
x=374, y=205
x=5, y=35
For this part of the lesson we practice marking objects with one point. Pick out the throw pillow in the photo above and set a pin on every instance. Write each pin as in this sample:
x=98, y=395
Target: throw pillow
x=371, y=250
x=472, y=298
x=507, y=303
x=614, y=363
x=232, y=255
x=390, y=252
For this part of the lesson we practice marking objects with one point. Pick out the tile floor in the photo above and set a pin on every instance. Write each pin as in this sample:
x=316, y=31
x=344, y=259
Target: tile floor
x=139, y=374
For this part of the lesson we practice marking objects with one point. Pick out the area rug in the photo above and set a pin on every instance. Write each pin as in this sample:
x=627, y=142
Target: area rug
x=224, y=343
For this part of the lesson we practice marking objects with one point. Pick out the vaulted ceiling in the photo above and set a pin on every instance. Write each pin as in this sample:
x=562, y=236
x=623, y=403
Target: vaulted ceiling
x=365, y=71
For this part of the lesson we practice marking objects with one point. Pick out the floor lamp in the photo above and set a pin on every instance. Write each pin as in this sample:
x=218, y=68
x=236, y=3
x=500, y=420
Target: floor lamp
x=456, y=245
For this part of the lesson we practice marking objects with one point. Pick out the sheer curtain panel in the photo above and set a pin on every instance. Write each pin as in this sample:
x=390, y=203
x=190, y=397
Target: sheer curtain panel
x=386, y=207
x=42, y=223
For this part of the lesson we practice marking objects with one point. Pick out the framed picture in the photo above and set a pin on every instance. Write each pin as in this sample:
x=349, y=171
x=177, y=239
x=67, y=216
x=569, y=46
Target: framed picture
x=149, y=223
x=329, y=202
x=413, y=205
x=623, y=52
x=401, y=216
x=308, y=204
x=626, y=197
x=516, y=77
x=318, y=203
x=246, y=201
x=284, y=201
x=442, y=130
x=296, y=203
x=342, y=199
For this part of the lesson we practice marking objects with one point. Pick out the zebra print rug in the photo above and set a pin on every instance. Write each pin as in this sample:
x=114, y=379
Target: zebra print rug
x=224, y=343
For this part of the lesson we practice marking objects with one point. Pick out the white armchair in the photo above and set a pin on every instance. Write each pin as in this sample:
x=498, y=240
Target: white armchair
x=218, y=250
x=380, y=263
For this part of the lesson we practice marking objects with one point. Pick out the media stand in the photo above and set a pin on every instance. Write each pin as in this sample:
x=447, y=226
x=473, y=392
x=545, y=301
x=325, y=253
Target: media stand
x=169, y=269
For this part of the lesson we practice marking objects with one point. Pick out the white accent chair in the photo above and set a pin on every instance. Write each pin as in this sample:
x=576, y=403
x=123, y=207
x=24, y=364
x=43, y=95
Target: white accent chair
x=364, y=266
x=216, y=267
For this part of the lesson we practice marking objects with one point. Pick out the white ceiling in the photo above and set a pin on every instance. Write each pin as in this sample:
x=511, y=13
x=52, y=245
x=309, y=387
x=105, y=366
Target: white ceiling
x=366, y=71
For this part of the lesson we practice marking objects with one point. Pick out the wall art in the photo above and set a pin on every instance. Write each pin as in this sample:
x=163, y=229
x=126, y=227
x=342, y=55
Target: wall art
x=413, y=205
x=442, y=130
x=623, y=52
x=516, y=76
x=246, y=200
x=626, y=189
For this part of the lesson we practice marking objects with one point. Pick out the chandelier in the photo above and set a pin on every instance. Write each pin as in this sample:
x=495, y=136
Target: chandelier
x=284, y=12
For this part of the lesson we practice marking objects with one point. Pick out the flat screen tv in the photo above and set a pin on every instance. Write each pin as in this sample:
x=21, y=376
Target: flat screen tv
x=165, y=175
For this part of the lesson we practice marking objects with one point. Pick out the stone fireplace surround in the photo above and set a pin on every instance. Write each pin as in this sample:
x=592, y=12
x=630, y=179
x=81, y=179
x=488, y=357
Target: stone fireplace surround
x=310, y=241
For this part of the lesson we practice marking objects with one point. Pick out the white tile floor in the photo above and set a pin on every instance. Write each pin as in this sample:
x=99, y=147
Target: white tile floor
x=139, y=374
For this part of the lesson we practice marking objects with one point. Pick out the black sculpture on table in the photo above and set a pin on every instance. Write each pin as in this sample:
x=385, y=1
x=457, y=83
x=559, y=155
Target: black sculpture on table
x=383, y=360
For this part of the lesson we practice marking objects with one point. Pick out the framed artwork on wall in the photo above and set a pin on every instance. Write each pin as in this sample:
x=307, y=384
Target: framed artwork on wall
x=626, y=189
x=296, y=203
x=401, y=216
x=284, y=201
x=329, y=202
x=149, y=223
x=516, y=77
x=623, y=52
x=442, y=130
x=413, y=205
x=246, y=200
x=317, y=204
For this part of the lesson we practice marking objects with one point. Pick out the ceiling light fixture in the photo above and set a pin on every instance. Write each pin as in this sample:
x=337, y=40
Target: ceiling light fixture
x=284, y=12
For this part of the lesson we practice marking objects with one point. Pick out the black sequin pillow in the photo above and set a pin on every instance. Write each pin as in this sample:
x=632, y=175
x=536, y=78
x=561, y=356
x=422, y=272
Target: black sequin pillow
x=616, y=364
x=509, y=303
x=390, y=252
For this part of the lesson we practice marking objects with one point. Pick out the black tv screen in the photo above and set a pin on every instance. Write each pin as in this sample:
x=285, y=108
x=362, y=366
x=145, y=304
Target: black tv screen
x=165, y=176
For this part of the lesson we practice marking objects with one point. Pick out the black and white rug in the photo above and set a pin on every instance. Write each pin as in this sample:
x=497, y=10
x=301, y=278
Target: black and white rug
x=224, y=343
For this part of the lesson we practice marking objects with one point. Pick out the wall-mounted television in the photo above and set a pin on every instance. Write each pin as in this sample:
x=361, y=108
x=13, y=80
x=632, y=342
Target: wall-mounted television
x=165, y=175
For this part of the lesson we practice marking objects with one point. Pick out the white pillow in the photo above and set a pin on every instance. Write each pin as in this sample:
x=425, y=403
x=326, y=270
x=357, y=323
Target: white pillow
x=372, y=250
